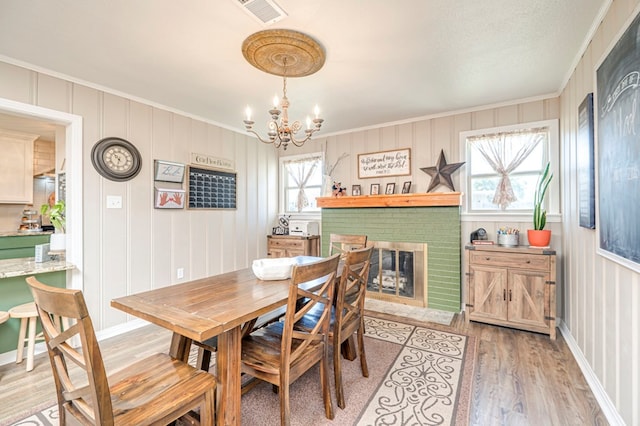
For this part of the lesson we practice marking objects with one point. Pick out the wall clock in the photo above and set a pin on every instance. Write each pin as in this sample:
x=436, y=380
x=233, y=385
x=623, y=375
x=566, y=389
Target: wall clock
x=116, y=159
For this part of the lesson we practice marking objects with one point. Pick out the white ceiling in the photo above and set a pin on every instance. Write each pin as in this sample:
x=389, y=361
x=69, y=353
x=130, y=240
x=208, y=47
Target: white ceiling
x=386, y=61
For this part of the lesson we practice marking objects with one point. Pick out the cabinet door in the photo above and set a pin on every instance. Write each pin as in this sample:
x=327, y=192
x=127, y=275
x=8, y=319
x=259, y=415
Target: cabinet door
x=527, y=301
x=16, y=164
x=277, y=252
x=488, y=290
x=295, y=252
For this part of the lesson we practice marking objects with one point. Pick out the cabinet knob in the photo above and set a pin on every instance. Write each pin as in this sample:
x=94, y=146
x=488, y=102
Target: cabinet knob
x=487, y=258
x=528, y=261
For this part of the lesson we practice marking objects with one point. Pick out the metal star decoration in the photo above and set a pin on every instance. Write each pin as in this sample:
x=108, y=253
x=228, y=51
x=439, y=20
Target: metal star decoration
x=441, y=173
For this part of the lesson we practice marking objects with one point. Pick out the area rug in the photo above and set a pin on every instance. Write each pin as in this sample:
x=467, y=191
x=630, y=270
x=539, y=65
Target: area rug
x=418, y=375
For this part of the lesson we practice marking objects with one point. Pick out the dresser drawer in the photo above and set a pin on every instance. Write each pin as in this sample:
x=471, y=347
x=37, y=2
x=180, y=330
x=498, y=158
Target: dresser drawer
x=510, y=260
x=287, y=244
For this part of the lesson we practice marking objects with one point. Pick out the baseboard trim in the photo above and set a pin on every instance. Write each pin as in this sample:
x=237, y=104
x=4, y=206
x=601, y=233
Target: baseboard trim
x=606, y=405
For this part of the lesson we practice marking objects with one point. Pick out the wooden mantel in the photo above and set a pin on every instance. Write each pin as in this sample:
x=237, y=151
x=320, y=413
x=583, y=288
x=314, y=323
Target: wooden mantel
x=429, y=199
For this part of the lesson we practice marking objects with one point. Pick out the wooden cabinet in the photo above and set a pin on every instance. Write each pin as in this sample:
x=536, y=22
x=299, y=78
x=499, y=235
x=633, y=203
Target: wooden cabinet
x=514, y=287
x=290, y=245
x=16, y=167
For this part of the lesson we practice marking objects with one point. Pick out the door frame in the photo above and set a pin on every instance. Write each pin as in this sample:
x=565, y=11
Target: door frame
x=73, y=168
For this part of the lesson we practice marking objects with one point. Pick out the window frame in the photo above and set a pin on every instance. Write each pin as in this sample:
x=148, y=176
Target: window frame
x=282, y=179
x=551, y=154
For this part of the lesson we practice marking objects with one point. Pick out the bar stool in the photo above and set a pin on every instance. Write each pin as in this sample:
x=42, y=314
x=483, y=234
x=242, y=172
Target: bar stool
x=28, y=314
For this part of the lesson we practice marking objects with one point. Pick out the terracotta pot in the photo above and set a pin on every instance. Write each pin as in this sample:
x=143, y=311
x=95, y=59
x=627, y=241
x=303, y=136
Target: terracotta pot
x=539, y=238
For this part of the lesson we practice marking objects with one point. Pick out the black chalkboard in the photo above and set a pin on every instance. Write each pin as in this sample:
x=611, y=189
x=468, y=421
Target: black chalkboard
x=211, y=189
x=618, y=115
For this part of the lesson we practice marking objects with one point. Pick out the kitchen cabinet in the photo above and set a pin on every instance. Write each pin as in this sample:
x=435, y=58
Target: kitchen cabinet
x=293, y=245
x=16, y=167
x=513, y=287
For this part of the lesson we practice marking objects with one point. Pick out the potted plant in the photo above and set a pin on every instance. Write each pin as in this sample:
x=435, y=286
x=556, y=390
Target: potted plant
x=538, y=236
x=56, y=214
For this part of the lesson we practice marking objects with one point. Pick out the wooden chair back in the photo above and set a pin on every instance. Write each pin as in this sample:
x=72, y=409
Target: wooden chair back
x=351, y=292
x=301, y=301
x=155, y=390
x=341, y=243
x=281, y=363
x=349, y=312
x=90, y=396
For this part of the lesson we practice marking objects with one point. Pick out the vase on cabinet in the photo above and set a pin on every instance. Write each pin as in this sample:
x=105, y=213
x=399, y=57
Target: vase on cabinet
x=327, y=186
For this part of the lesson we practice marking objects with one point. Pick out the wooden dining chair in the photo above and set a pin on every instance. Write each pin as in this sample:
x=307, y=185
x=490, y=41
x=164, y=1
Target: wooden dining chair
x=342, y=243
x=347, y=317
x=154, y=391
x=280, y=354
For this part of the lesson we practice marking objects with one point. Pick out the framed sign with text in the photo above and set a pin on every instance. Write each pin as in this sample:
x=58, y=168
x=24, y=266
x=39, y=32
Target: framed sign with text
x=384, y=163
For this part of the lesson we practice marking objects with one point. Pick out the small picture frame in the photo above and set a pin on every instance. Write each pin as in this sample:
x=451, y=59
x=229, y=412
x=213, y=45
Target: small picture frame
x=375, y=188
x=355, y=190
x=406, y=187
x=166, y=171
x=169, y=198
x=391, y=188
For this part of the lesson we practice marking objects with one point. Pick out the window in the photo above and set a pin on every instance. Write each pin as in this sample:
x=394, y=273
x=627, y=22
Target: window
x=301, y=182
x=503, y=166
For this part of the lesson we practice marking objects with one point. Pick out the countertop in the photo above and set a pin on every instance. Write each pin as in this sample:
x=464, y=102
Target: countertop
x=23, y=233
x=28, y=266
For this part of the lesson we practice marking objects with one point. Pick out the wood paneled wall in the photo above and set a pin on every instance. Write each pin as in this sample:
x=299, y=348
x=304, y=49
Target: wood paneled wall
x=137, y=247
x=602, y=298
x=426, y=137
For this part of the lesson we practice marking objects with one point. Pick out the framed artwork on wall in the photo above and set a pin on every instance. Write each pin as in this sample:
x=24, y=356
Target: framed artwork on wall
x=166, y=171
x=406, y=187
x=375, y=188
x=169, y=198
x=618, y=159
x=384, y=163
x=355, y=190
x=586, y=178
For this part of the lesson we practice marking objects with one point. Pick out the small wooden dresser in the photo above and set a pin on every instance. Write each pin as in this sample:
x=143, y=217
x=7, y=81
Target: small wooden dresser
x=292, y=245
x=512, y=286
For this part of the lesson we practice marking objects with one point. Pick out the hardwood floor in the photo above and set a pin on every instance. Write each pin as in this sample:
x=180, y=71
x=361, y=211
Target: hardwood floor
x=521, y=378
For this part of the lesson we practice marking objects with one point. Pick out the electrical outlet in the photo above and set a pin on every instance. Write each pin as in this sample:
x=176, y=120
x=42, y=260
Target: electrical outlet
x=180, y=273
x=114, y=202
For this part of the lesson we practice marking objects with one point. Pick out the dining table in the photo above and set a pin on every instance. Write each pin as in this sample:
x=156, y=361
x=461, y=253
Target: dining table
x=213, y=306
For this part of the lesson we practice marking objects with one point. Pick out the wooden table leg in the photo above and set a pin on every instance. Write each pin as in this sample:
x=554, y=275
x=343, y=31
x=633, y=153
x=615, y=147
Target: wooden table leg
x=180, y=347
x=229, y=389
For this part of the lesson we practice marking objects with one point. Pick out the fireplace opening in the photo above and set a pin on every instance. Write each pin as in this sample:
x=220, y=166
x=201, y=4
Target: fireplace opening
x=398, y=273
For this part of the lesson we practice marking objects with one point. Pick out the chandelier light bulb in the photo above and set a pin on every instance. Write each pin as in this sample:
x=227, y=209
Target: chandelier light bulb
x=276, y=102
x=308, y=122
x=247, y=112
x=316, y=111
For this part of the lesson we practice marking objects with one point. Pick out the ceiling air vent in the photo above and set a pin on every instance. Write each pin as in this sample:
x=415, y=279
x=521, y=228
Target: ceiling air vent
x=265, y=11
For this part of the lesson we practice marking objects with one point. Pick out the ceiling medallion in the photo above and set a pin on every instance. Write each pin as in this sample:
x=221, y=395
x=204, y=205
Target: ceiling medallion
x=284, y=53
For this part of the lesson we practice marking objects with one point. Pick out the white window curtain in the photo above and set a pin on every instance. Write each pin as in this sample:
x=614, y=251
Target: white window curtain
x=300, y=175
x=505, y=152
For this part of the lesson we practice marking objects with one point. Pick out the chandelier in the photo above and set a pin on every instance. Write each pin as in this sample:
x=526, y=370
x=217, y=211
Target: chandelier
x=285, y=53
